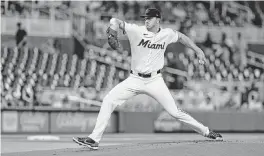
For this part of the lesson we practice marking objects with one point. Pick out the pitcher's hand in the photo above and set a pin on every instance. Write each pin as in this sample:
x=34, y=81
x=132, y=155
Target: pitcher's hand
x=201, y=58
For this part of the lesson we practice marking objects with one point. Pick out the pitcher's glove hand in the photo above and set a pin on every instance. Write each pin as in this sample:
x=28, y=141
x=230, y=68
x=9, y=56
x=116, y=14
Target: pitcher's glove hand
x=113, y=40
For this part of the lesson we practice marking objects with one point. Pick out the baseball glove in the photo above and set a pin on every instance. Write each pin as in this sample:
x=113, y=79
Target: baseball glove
x=112, y=39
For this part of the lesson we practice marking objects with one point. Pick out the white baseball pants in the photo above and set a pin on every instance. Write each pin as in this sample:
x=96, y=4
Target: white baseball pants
x=134, y=85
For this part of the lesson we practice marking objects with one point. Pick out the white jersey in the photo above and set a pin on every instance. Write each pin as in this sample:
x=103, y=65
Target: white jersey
x=148, y=48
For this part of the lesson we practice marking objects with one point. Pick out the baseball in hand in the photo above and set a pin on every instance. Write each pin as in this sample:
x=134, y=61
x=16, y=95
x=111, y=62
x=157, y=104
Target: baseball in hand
x=201, y=61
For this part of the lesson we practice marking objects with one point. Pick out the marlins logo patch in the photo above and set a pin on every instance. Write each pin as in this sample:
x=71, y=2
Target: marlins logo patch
x=147, y=36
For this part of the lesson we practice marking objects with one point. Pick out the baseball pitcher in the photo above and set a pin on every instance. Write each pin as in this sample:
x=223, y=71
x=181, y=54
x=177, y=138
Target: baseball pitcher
x=148, y=44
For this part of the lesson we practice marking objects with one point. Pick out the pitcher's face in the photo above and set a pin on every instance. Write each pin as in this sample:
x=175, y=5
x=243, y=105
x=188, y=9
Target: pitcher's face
x=151, y=22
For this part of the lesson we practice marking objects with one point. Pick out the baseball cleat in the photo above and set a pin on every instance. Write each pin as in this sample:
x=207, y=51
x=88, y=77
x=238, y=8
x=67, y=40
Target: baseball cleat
x=214, y=135
x=86, y=141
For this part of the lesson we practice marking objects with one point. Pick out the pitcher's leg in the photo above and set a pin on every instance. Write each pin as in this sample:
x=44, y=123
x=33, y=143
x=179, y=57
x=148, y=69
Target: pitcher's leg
x=159, y=91
x=117, y=96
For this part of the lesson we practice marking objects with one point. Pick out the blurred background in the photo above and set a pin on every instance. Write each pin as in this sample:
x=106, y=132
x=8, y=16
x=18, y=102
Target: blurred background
x=56, y=65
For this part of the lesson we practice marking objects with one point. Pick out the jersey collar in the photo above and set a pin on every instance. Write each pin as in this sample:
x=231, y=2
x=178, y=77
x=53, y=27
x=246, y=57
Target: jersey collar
x=153, y=32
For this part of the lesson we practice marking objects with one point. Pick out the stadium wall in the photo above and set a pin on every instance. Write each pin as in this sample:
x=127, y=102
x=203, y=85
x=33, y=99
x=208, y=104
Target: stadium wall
x=224, y=121
x=257, y=48
x=67, y=44
x=39, y=31
x=17, y=121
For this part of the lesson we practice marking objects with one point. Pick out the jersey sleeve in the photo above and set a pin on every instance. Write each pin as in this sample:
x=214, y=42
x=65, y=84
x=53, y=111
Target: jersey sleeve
x=174, y=35
x=129, y=27
x=131, y=30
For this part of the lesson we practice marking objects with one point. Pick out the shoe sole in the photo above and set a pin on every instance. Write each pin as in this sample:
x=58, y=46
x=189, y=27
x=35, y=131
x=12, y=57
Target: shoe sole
x=219, y=139
x=82, y=144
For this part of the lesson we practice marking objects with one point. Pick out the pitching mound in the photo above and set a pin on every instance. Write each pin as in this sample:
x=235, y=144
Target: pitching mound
x=157, y=145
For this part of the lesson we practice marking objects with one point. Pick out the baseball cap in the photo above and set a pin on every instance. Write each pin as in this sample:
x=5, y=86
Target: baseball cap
x=152, y=12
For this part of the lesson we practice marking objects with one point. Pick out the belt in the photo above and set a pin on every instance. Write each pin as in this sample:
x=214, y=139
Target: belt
x=145, y=75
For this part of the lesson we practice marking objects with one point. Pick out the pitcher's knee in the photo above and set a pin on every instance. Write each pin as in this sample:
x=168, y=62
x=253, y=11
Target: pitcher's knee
x=109, y=101
x=175, y=113
x=178, y=113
